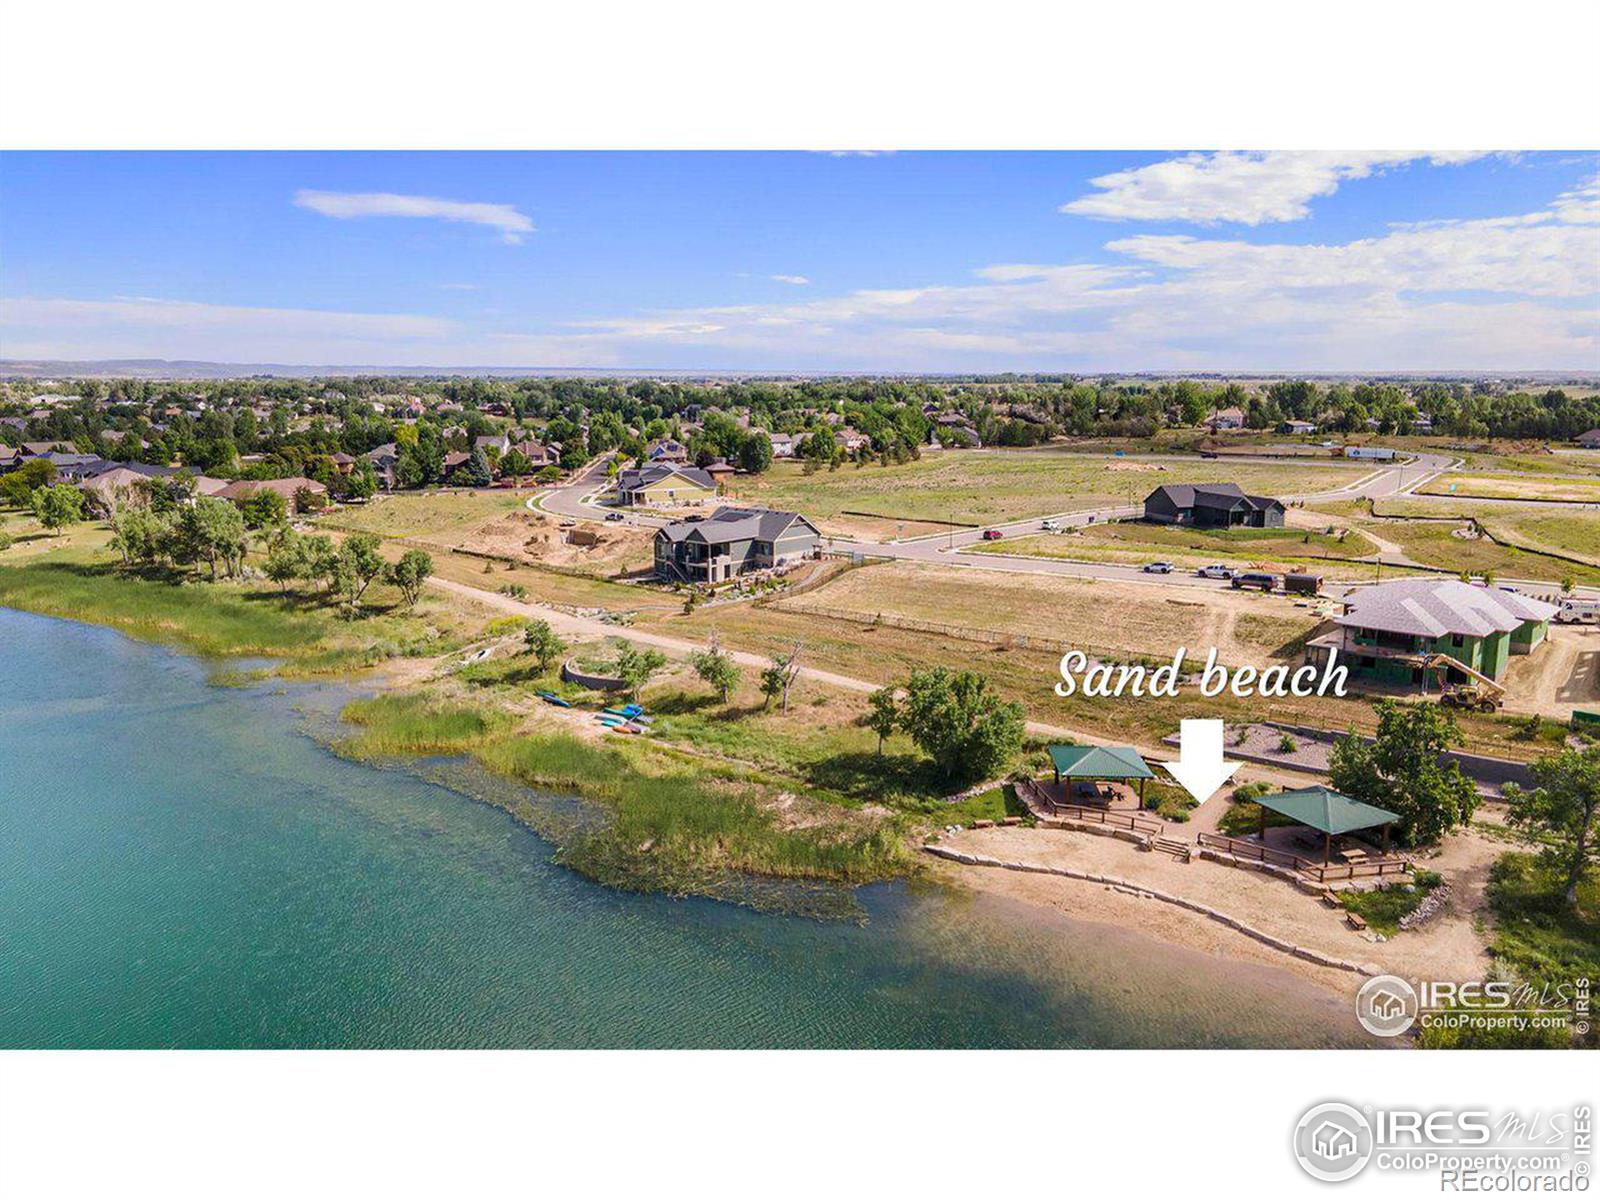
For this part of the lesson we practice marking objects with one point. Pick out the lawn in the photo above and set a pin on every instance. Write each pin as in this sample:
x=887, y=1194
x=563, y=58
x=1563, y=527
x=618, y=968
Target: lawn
x=1136, y=542
x=988, y=486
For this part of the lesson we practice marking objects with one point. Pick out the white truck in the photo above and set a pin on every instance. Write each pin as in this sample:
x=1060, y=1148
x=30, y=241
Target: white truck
x=1579, y=612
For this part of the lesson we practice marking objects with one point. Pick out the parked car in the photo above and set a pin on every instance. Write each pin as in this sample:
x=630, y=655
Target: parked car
x=614, y=516
x=1255, y=579
x=992, y=535
x=1215, y=571
x=1208, y=454
x=1158, y=568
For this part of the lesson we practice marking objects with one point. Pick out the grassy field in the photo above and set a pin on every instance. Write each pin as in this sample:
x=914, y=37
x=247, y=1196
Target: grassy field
x=987, y=486
x=883, y=653
x=1149, y=620
x=438, y=517
x=1133, y=542
x=1513, y=487
x=1522, y=533
x=77, y=577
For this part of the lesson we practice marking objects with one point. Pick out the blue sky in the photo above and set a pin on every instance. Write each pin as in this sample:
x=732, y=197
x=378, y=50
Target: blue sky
x=800, y=261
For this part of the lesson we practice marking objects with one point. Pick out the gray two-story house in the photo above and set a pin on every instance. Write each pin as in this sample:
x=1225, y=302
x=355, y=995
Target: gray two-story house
x=731, y=542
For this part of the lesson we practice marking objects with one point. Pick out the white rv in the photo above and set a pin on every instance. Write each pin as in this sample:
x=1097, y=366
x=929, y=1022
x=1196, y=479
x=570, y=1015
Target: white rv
x=1579, y=612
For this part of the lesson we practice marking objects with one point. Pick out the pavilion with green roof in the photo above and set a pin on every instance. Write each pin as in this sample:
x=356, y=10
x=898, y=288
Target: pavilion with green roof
x=1329, y=812
x=1094, y=763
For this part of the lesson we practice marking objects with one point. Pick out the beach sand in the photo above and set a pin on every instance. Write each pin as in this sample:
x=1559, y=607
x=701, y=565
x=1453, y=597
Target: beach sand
x=1448, y=947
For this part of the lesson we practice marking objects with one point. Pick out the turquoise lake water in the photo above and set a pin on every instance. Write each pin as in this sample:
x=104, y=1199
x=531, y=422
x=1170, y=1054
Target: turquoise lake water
x=181, y=865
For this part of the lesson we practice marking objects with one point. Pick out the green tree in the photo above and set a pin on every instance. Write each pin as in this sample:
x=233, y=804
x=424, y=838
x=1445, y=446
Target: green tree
x=362, y=483
x=779, y=676
x=755, y=453
x=319, y=559
x=285, y=561
x=1560, y=810
x=477, y=472
x=211, y=531
x=360, y=562
x=883, y=714
x=263, y=509
x=636, y=667
x=716, y=667
x=1401, y=770
x=959, y=721
x=516, y=465
x=544, y=643
x=17, y=487
x=410, y=573
x=57, y=505
x=139, y=533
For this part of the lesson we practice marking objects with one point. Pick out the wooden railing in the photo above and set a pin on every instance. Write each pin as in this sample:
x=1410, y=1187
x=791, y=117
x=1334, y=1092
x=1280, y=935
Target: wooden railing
x=1037, y=798
x=1312, y=869
x=1104, y=816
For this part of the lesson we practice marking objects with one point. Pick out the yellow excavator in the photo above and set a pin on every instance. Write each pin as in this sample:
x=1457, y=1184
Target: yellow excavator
x=1479, y=694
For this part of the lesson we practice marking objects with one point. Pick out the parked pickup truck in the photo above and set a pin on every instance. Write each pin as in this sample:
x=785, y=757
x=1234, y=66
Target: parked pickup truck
x=1050, y=525
x=1215, y=571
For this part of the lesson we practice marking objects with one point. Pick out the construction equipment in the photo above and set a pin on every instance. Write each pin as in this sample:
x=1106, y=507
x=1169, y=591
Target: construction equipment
x=1473, y=697
x=1479, y=693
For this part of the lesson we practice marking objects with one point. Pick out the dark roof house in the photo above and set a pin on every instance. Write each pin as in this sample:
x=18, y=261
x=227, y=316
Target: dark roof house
x=732, y=542
x=1212, y=506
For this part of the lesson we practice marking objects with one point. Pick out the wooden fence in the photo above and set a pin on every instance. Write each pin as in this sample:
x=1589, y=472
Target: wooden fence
x=968, y=633
x=1309, y=867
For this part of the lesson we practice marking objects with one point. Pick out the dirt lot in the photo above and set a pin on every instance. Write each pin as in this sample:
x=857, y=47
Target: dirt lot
x=1559, y=676
x=540, y=538
x=1244, y=627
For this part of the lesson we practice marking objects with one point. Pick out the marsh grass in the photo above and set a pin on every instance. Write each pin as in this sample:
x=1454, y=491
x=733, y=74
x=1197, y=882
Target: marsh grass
x=215, y=620
x=675, y=828
x=412, y=723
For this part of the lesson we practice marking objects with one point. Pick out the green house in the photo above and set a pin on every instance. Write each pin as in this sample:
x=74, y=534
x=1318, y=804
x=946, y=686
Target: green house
x=1389, y=629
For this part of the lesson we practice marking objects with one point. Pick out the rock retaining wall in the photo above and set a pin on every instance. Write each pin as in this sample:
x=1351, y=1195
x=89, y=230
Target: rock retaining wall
x=1138, y=889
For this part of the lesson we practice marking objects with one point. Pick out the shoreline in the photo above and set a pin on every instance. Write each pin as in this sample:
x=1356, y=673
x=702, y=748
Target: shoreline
x=1448, y=947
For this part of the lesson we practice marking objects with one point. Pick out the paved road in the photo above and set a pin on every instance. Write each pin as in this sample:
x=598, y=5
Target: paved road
x=578, y=500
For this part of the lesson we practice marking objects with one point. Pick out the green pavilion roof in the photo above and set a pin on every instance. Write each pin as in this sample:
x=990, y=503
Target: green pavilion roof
x=1327, y=811
x=1099, y=762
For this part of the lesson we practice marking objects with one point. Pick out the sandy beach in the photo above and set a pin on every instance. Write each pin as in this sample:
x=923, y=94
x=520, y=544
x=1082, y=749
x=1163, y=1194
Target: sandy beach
x=1447, y=947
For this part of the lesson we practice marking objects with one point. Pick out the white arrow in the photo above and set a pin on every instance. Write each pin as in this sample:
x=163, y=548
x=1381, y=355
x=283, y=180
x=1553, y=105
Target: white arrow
x=1199, y=767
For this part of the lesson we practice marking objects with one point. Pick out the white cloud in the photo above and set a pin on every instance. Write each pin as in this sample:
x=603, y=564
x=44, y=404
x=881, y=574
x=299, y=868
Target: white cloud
x=1518, y=291
x=1250, y=187
x=142, y=327
x=513, y=225
x=797, y=280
